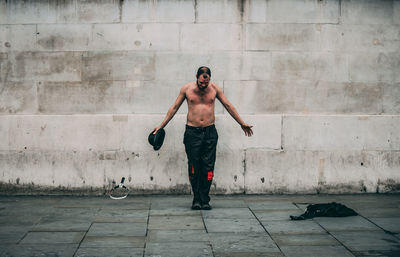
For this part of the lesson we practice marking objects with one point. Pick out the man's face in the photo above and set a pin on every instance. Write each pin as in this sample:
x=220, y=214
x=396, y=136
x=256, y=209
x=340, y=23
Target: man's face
x=203, y=80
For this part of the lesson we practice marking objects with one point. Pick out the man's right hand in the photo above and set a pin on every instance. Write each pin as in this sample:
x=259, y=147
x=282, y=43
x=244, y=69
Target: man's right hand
x=156, y=129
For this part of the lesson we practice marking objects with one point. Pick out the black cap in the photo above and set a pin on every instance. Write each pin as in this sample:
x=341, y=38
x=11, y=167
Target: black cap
x=202, y=70
x=156, y=140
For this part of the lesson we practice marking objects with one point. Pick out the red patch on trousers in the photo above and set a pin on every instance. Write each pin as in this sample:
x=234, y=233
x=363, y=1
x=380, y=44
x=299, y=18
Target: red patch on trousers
x=192, y=169
x=210, y=175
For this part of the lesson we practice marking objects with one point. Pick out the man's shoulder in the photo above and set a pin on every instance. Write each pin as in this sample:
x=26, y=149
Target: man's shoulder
x=188, y=85
x=214, y=86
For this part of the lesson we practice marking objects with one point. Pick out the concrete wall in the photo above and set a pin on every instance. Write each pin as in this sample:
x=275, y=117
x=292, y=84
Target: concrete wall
x=83, y=83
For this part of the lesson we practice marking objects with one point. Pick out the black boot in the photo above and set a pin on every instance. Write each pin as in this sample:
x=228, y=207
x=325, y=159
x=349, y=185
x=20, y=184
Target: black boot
x=196, y=206
x=206, y=206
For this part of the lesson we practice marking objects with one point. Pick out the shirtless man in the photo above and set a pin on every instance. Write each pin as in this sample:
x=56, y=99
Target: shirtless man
x=201, y=137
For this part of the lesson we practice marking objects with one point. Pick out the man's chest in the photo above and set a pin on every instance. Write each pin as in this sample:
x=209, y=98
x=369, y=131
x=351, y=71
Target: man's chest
x=196, y=98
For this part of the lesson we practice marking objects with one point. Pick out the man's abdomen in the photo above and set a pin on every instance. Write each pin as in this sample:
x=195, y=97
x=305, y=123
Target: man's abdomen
x=201, y=116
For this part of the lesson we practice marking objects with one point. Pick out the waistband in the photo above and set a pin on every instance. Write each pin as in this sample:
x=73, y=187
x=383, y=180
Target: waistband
x=200, y=128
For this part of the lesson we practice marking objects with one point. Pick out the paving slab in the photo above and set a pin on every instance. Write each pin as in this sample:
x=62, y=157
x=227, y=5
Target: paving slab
x=178, y=249
x=276, y=215
x=168, y=202
x=104, y=203
x=68, y=213
x=367, y=240
x=114, y=241
x=118, y=229
x=228, y=213
x=19, y=220
x=81, y=202
x=179, y=211
x=370, y=204
x=53, y=238
x=379, y=213
x=121, y=215
x=375, y=198
x=159, y=236
x=314, y=198
x=264, y=205
x=47, y=225
x=242, y=242
x=228, y=203
x=16, y=205
x=304, y=239
x=345, y=223
x=53, y=226
x=130, y=206
x=12, y=234
x=393, y=253
x=320, y=198
x=251, y=254
x=30, y=198
x=115, y=252
x=19, y=211
x=233, y=225
x=315, y=251
x=6, y=205
x=11, y=238
x=389, y=224
x=176, y=222
x=59, y=250
x=293, y=227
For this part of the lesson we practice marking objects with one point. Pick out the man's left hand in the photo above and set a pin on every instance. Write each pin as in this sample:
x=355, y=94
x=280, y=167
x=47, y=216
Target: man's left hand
x=247, y=130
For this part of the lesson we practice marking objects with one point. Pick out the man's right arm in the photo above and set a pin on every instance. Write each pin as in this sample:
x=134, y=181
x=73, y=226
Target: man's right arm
x=173, y=109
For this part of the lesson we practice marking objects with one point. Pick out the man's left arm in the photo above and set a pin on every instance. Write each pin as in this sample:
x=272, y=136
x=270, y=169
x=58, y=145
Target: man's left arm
x=232, y=111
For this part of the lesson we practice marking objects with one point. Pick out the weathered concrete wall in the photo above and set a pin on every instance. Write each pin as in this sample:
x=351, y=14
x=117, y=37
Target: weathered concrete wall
x=82, y=83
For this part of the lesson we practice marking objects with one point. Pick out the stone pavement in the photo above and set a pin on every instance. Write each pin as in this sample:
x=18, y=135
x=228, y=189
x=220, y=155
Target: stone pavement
x=242, y=225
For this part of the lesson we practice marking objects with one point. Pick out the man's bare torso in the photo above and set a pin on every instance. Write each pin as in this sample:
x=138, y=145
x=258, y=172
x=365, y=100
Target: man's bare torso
x=200, y=104
x=200, y=96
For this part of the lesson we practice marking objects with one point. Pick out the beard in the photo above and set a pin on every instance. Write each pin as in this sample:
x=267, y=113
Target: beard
x=201, y=87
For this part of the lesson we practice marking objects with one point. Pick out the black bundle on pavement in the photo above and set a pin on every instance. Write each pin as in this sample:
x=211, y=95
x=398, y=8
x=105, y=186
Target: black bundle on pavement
x=325, y=210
